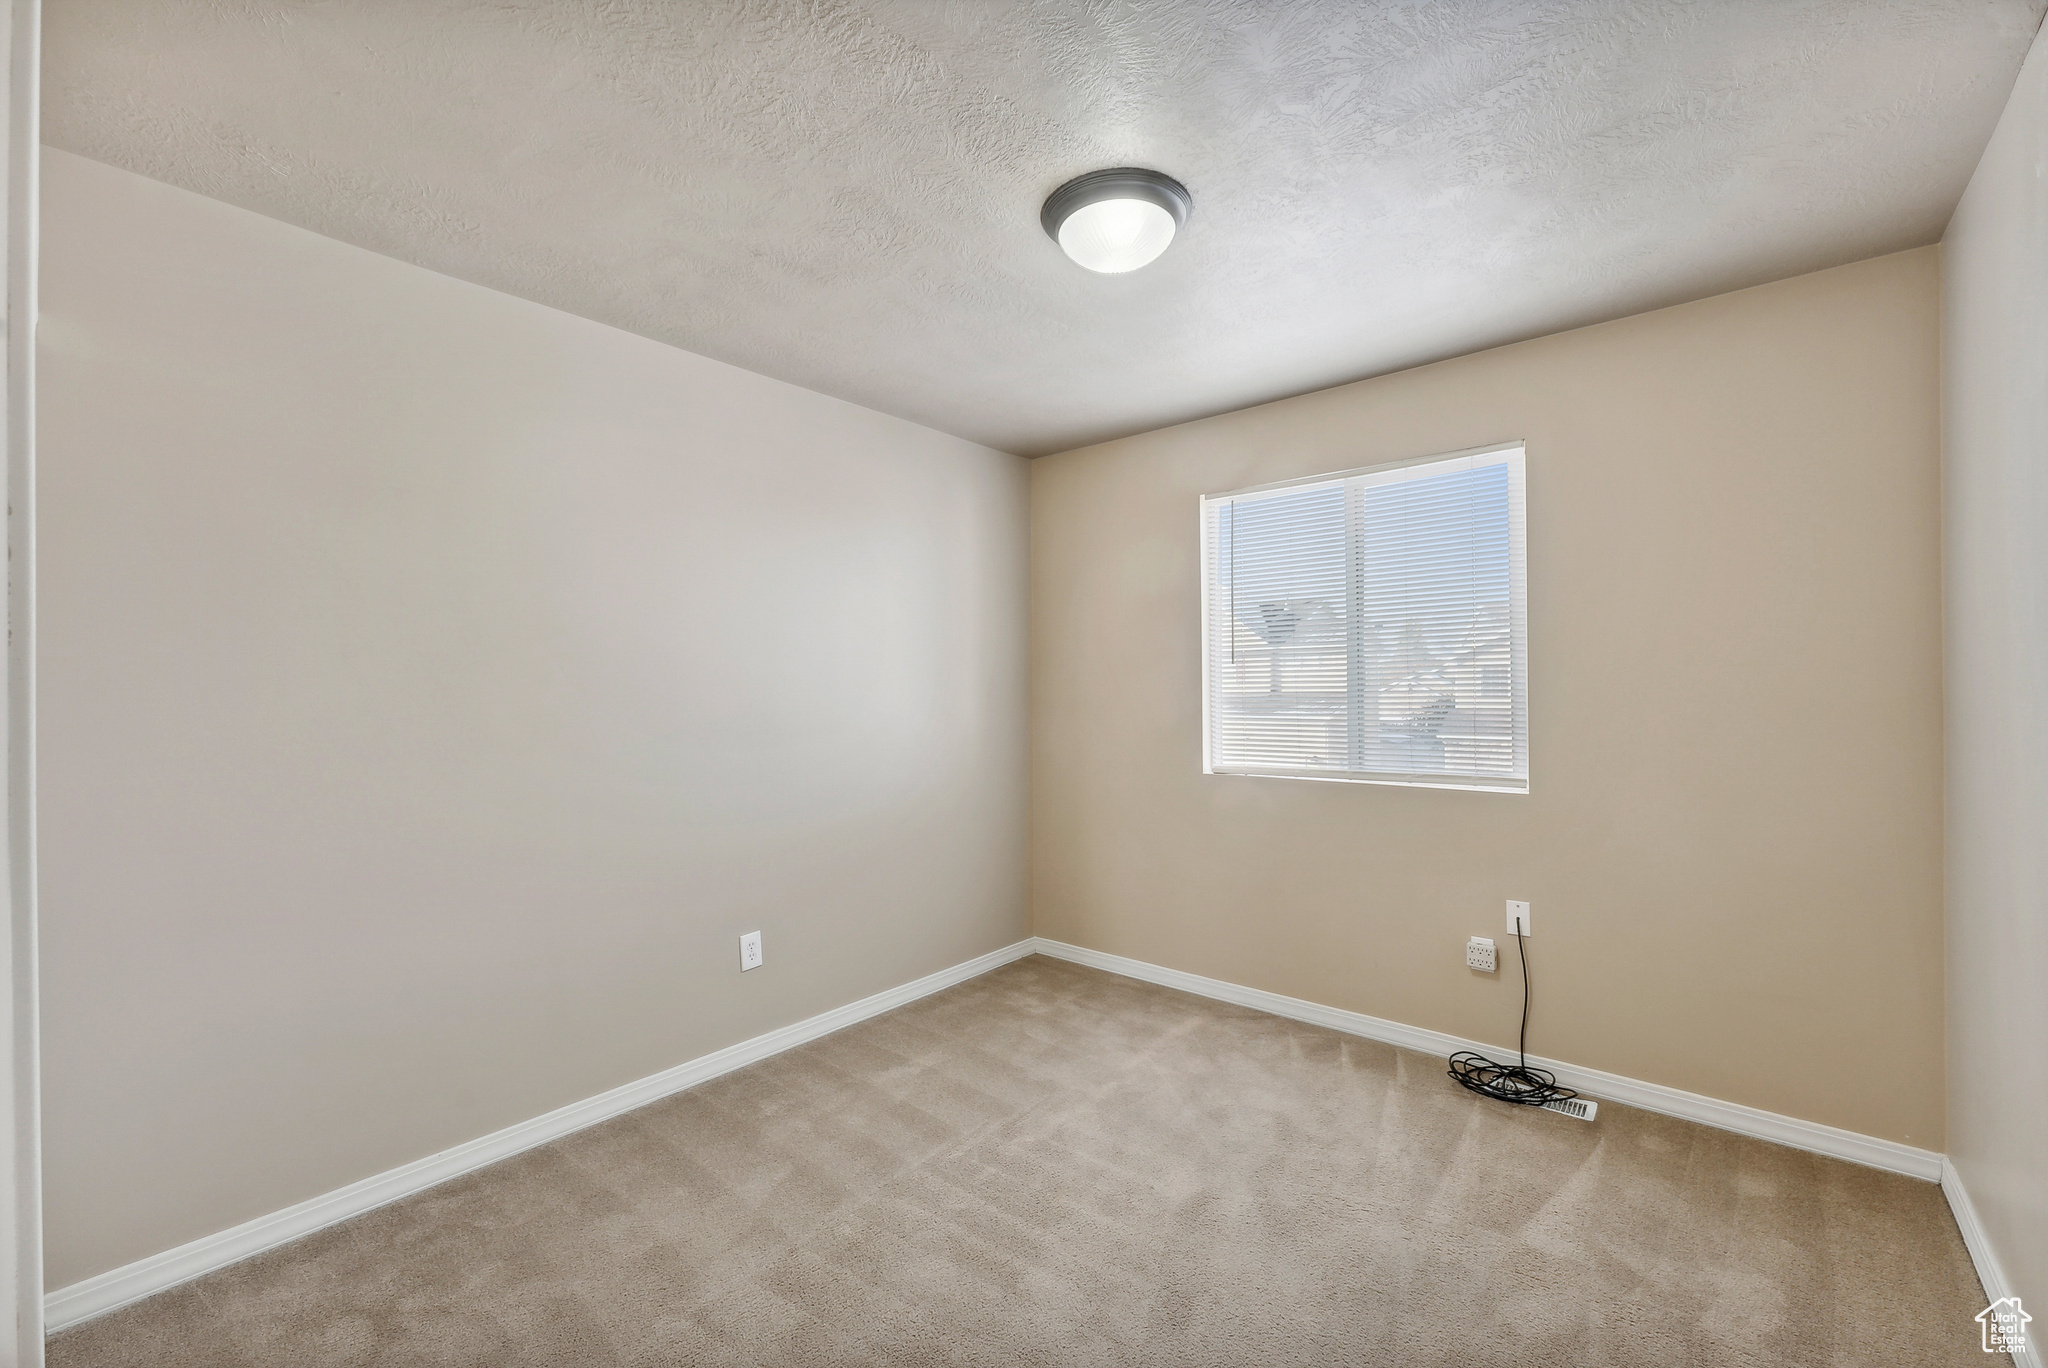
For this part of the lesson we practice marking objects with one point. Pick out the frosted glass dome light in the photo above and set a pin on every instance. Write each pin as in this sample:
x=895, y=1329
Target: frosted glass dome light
x=1117, y=234
x=1116, y=220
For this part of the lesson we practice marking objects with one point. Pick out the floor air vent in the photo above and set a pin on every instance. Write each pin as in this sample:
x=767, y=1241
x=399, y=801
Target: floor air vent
x=1582, y=1108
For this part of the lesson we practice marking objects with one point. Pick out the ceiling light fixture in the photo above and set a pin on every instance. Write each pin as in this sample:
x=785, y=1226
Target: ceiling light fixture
x=1116, y=220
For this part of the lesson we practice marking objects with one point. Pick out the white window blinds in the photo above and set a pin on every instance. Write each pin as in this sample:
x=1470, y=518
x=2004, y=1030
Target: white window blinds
x=1370, y=626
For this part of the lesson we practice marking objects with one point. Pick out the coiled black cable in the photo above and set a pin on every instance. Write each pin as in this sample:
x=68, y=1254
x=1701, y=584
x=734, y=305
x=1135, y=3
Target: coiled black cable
x=1517, y=1083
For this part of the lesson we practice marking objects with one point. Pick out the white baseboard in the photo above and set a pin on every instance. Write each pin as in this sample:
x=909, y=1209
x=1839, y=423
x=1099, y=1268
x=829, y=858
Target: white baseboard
x=109, y=1291
x=1728, y=1116
x=1989, y=1271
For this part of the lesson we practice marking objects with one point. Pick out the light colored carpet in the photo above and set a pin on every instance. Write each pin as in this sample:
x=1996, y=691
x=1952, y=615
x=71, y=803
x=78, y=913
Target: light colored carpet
x=1050, y=1165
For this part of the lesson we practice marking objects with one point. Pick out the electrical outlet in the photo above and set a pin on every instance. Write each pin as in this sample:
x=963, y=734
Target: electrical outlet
x=1518, y=918
x=1479, y=954
x=750, y=951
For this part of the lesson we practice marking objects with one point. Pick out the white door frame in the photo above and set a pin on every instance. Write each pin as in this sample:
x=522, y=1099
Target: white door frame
x=21, y=1197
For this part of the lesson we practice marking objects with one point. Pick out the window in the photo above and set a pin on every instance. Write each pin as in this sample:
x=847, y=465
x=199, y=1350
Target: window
x=1370, y=626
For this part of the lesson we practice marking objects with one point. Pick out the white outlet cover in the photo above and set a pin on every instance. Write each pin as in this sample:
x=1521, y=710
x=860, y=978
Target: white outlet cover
x=1480, y=955
x=1521, y=910
x=750, y=951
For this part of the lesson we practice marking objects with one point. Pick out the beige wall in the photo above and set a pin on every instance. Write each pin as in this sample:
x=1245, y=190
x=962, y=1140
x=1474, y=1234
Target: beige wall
x=434, y=686
x=1733, y=843
x=1995, y=473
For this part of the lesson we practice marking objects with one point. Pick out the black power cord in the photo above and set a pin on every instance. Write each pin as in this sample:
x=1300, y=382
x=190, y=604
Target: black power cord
x=1517, y=1083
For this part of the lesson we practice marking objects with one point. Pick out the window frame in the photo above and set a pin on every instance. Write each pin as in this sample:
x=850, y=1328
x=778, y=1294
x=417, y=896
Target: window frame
x=1511, y=454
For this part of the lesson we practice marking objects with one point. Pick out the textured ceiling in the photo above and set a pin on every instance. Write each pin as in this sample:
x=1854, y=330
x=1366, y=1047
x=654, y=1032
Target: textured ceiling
x=845, y=194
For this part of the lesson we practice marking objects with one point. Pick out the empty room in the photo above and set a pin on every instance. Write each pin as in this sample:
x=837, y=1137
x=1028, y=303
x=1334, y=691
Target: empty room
x=758, y=683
